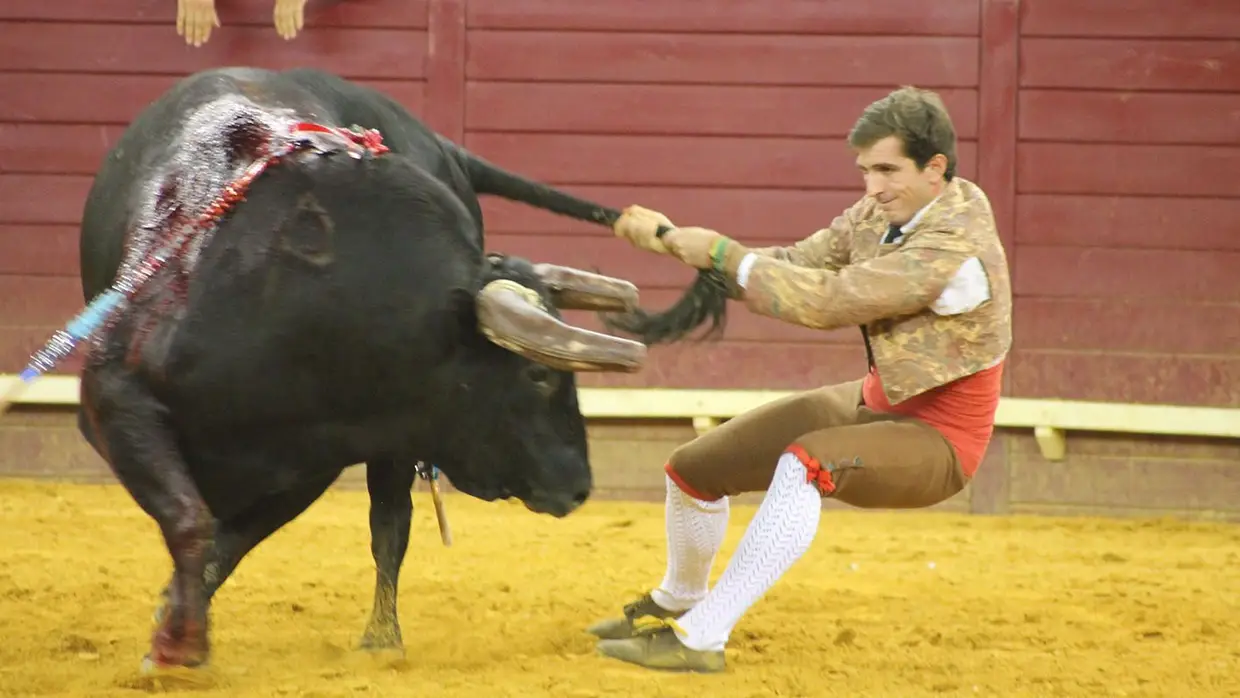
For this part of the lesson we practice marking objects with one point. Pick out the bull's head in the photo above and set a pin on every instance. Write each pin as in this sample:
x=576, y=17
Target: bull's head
x=531, y=442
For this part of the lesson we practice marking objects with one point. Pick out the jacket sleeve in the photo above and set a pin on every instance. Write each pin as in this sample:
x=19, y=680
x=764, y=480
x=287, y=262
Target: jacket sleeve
x=827, y=248
x=899, y=283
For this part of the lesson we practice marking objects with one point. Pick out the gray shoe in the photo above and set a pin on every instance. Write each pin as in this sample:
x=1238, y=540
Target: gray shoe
x=622, y=628
x=656, y=646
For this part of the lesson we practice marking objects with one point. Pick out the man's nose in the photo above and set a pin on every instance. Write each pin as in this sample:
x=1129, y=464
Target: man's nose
x=873, y=186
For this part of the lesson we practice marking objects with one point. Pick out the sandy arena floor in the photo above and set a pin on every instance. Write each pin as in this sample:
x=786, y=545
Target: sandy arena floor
x=898, y=605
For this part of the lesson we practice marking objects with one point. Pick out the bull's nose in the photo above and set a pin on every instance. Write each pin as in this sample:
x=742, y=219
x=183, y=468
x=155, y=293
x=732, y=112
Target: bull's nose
x=580, y=498
x=557, y=506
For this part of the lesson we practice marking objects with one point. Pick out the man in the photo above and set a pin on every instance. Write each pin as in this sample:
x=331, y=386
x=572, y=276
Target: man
x=916, y=263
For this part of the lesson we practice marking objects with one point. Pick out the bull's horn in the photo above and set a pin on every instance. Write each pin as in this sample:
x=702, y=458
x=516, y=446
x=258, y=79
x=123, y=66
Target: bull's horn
x=574, y=289
x=514, y=317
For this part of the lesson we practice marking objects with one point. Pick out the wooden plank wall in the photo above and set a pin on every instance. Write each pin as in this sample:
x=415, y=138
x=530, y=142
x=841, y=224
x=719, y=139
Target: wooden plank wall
x=1126, y=248
x=1129, y=205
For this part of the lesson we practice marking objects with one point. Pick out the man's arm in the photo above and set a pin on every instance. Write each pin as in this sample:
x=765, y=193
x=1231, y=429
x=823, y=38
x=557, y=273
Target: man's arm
x=827, y=248
x=895, y=284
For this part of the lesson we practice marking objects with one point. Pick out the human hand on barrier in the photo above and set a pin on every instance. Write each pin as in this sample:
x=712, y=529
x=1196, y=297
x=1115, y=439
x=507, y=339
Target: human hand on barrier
x=289, y=17
x=195, y=19
x=640, y=226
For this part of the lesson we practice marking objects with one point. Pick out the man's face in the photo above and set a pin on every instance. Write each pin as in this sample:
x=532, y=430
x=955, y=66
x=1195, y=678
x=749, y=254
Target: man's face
x=893, y=179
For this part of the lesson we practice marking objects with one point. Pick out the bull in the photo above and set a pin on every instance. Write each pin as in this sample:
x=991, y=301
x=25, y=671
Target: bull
x=288, y=295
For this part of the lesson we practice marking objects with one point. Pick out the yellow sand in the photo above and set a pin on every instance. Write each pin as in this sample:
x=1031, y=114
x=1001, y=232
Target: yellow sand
x=898, y=605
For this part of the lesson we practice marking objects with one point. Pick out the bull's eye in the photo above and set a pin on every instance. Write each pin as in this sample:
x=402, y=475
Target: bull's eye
x=539, y=373
x=542, y=377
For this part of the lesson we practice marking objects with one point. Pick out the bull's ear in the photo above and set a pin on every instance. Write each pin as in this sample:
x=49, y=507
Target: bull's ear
x=514, y=317
x=574, y=289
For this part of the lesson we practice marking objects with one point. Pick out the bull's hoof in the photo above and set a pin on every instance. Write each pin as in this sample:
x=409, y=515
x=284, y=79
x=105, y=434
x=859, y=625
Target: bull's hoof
x=382, y=645
x=379, y=638
x=162, y=609
x=155, y=677
x=150, y=665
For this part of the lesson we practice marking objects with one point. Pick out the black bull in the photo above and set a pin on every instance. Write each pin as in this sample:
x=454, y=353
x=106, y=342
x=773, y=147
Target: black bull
x=342, y=311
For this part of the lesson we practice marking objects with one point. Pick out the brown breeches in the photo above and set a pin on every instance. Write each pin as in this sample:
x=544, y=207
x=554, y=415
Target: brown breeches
x=856, y=455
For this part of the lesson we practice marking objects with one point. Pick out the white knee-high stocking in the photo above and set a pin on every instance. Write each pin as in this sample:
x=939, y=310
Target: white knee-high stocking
x=695, y=530
x=779, y=534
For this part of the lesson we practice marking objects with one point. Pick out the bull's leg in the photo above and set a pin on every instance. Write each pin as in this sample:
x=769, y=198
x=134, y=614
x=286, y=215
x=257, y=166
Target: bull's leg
x=236, y=537
x=391, y=508
x=133, y=429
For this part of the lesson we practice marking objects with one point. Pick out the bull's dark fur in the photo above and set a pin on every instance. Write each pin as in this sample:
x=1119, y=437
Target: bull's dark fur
x=330, y=322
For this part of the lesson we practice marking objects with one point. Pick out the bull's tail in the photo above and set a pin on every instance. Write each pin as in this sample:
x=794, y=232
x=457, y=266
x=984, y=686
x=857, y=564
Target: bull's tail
x=487, y=178
x=706, y=300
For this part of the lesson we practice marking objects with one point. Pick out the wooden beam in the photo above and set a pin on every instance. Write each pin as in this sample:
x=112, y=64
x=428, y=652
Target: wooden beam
x=707, y=408
x=52, y=390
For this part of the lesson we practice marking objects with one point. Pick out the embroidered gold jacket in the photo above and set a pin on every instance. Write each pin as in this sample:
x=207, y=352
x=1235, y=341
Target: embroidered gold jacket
x=845, y=275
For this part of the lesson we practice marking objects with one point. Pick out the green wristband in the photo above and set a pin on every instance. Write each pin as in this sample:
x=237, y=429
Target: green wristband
x=718, y=250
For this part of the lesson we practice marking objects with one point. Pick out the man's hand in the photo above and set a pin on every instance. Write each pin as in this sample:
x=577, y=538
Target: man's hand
x=289, y=17
x=195, y=19
x=692, y=245
x=639, y=225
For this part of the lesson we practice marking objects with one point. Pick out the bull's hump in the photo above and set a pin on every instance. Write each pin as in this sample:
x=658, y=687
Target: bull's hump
x=218, y=140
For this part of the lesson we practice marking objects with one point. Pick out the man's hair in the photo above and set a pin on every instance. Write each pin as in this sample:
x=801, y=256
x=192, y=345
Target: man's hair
x=918, y=118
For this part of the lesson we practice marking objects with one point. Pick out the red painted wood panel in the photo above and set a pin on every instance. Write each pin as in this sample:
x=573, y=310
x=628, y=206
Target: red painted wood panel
x=1158, y=170
x=1131, y=64
x=1128, y=117
x=76, y=98
x=1117, y=377
x=722, y=59
x=747, y=110
x=682, y=161
x=740, y=366
x=1129, y=221
x=445, y=69
x=1131, y=18
x=761, y=216
x=55, y=149
x=42, y=198
x=319, y=13
x=997, y=137
x=18, y=343
x=37, y=300
x=1115, y=273
x=903, y=17
x=48, y=250
x=1145, y=325
x=152, y=49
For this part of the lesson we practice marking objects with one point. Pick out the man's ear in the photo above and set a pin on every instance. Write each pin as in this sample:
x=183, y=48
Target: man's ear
x=938, y=165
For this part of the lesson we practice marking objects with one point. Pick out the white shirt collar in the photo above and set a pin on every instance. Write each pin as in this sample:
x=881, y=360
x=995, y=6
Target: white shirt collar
x=917, y=216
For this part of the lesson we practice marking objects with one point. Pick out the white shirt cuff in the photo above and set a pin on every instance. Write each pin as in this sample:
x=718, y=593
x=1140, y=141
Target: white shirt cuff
x=742, y=271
